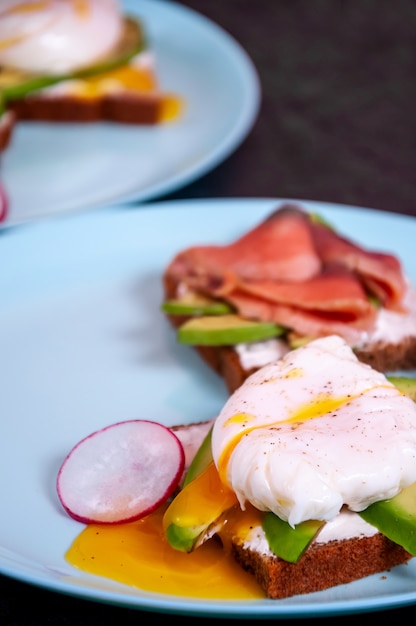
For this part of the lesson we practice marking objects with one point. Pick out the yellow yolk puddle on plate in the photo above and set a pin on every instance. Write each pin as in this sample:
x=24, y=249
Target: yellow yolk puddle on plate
x=139, y=555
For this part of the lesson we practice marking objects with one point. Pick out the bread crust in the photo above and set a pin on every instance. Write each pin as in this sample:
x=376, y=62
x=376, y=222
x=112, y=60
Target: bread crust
x=322, y=566
x=125, y=107
x=384, y=356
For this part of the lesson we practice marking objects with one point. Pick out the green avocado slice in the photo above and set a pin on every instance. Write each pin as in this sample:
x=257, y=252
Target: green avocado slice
x=404, y=384
x=195, y=509
x=201, y=460
x=193, y=304
x=15, y=84
x=286, y=542
x=224, y=330
x=396, y=518
x=184, y=538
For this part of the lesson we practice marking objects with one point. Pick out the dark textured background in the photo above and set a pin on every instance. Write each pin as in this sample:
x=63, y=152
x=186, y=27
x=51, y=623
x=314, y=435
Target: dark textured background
x=337, y=123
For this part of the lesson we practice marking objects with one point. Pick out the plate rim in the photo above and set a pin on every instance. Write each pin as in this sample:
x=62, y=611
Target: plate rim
x=197, y=165
x=188, y=606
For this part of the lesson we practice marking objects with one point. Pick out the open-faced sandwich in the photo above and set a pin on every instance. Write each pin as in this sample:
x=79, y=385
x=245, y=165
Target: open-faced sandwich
x=291, y=279
x=77, y=61
x=306, y=479
x=308, y=476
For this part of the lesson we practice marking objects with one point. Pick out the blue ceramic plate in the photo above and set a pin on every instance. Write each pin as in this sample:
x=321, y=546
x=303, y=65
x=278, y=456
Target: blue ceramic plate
x=52, y=168
x=83, y=345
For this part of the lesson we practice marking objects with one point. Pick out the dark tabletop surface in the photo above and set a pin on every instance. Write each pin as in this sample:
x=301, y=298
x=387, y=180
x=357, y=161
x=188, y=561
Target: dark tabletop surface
x=337, y=123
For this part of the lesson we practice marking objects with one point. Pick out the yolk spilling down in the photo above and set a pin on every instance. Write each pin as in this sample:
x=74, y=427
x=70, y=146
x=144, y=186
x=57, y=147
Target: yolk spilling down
x=139, y=555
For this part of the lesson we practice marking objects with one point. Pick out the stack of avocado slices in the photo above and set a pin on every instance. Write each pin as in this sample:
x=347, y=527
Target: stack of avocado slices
x=215, y=323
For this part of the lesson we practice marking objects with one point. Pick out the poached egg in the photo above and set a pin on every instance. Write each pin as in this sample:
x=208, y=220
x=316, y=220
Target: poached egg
x=314, y=431
x=57, y=36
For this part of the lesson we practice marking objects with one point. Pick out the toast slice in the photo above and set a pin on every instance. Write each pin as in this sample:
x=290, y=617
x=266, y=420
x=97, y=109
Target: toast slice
x=389, y=346
x=324, y=564
x=124, y=107
x=346, y=550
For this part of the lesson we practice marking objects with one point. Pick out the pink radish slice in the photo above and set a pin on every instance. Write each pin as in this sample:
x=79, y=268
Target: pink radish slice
x=3, y=203
x=120, y=473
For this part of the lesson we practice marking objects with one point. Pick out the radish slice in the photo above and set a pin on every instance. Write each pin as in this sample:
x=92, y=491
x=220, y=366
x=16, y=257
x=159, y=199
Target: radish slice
x=3, y=203
x=120, y=473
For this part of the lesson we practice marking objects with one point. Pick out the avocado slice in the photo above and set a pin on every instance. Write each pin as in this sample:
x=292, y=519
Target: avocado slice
x=185, y=538
x=225, y=330
x=396, y=518
x=201, y=460
x=404, y=384
x=286, y=542
x=16, y=84
x=195, y=304
x=195, y=509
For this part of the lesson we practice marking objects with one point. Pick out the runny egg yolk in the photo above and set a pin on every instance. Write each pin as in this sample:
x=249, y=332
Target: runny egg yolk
x=138, y=554
x=128, y=78
x=81, y=7
x=205, y=497
x=321, y=405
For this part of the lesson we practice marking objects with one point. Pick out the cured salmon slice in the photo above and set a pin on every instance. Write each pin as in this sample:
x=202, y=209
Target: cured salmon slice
x=335, y=290
x=306, y=322
x=381, y=273
x=280, y=247
x=298, y=272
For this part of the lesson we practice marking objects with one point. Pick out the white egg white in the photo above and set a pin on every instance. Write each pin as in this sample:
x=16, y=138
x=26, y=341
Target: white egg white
x=54, y=37
x=313, y=431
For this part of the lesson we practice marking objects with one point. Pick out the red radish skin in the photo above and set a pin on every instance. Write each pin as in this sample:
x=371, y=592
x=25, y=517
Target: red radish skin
x=3, y=203
x=120, y=473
